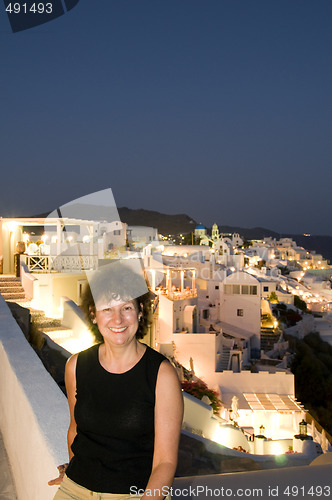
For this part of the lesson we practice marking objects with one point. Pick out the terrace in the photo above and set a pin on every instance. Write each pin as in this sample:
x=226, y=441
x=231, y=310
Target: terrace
x=34, y=421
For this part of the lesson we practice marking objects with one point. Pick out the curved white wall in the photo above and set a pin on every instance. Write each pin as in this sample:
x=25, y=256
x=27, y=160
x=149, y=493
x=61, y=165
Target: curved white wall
x=33, y=413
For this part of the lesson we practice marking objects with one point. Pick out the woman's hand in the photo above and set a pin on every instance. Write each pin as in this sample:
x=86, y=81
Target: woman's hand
x=58, y=480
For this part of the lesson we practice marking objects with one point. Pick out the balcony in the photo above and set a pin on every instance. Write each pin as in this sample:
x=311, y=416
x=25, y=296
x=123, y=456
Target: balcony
x=59, y=263
x=177, y=294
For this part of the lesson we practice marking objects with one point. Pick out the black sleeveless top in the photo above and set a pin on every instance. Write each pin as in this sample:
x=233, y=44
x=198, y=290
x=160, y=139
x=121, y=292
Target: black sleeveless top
x=114, y=413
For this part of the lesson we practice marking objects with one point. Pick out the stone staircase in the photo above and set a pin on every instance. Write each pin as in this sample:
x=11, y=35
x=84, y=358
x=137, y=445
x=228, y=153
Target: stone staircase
x=223, y=359
x=42, y=320
x=11, y=288
x=52, y=327
x=268, y=339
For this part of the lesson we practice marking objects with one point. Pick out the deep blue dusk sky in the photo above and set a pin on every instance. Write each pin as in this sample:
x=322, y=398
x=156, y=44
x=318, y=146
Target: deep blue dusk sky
x=220, y=109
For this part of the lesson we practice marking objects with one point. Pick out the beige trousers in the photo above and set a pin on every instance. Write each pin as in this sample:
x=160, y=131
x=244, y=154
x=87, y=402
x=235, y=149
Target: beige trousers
x=69, y=490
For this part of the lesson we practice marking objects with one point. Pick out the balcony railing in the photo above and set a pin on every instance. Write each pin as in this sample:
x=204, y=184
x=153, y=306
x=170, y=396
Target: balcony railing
x=177, y=294
x=60, y=263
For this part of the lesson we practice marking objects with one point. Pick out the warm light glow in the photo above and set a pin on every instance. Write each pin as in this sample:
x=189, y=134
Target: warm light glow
x=277, y=449
x=223, y=435
x=76, y=345
x=26, y=237
x=65, y=339
x=12, y=225
x=44, y=237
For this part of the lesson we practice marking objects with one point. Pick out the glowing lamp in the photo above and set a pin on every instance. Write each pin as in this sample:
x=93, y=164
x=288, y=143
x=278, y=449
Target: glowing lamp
x=303, y=426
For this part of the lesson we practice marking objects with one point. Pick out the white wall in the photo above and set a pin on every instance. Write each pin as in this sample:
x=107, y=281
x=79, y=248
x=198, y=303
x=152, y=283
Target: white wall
x=34, y=415
x=257, y=484
x=27, y=281
x=49, y=288
x=72, y=316
x=174, y=316
x=11, y=233
x=166, y=326
x=201, y=347
x=262, y=382
x=250, y=305
x=198, y=418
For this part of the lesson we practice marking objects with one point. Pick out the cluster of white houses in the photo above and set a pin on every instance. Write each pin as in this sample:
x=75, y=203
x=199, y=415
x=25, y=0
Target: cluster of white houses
x=208, y=305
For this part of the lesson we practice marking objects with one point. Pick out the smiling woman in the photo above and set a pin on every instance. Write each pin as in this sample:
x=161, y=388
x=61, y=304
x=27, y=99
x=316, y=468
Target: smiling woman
x=124, y=398
x=119, y=282
x=117, y=321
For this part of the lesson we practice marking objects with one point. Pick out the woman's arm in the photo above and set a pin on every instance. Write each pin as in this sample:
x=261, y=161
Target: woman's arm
x=70, y=381
x=168, y=421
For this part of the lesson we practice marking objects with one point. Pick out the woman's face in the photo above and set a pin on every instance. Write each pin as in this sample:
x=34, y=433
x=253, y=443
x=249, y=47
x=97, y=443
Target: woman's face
x=117, y=320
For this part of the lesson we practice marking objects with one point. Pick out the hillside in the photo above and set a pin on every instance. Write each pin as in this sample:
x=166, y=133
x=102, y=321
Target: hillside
x=182, y=223
x=166, y=224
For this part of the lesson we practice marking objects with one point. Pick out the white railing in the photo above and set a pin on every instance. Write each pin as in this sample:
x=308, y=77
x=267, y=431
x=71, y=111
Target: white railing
x=60, y=263
x=178, y=295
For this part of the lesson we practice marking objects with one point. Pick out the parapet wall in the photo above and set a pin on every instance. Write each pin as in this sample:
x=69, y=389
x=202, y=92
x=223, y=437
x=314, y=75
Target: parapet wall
x=262, y=382
x=34, y=416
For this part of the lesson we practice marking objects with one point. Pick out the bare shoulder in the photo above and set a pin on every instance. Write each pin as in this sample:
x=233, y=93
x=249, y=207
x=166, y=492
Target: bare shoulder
x=71, y=363
x=168, y=381
x=167, y=371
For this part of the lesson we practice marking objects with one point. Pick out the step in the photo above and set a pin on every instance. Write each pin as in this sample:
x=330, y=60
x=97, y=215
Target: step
x=11, y=289
x=42, y=322
x=13, y=284
x=47, y=323
x=23, y=303
x=59, y=333
x=12, y=295
x=55, y=329
x=6, y=277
